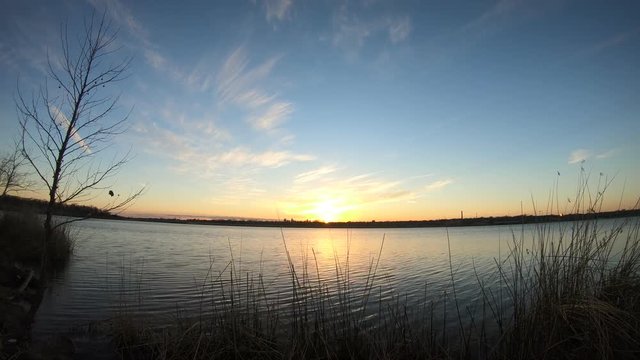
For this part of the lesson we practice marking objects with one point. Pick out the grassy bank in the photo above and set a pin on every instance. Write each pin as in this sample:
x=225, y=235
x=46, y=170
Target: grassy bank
x=572, y=293
x=21, y=238
x=21, y=283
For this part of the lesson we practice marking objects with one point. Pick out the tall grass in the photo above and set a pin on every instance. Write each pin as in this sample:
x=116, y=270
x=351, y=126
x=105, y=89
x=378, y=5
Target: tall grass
x=21, y=235
x=564, y=293
x=573, y=293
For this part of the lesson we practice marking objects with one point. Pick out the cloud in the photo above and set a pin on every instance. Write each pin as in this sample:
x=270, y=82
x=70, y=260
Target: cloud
x=62, y=120
x=212, y=131
x=124, y=17
x=274, y=115
x=155, y=59
x=400, y=29
x=207, y=156
x=350, y=31
x=27, y=40
x=312, y=175
x=437, y=185
x=607, y=154
x=579, y=155
x=277, y=9
x=496, y=17
x=241, y=156
x=254, y=98
x=238, y=187
x=239, y=84
x=198, y=145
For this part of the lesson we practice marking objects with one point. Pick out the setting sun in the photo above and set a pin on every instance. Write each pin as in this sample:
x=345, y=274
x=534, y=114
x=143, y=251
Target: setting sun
x=327, y=210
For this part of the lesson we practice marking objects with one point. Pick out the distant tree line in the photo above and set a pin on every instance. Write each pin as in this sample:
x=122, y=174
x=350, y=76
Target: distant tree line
x=481, y=221
x=20, y=204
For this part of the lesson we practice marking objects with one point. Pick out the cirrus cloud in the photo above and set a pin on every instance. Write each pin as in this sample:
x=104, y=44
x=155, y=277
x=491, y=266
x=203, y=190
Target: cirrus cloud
x=579, y=155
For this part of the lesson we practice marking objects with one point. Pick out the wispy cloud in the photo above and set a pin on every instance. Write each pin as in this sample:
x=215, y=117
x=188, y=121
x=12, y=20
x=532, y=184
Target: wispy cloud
x=312, y=175
x=495, y=18
x=254, y=98
x=272, y=117
x=350, y=31
x=437, y=185
x=238, y=187
x=239, y=84
x=28, y=40
x=277, y=9
x=399, y=29
x=492, y=18
x=579, y=155
x=62, y=120
x=606, y=154
x=206, y=156
x=124, y=17
x=241, y=156
x=242, y=86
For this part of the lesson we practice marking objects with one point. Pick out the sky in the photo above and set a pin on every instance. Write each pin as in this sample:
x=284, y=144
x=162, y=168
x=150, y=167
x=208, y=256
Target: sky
x=354, y=110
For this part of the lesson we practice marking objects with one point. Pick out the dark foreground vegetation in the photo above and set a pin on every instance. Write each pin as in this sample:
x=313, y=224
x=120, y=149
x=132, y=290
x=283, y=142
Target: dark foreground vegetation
x=568, y=295
x=22, y=280
x=35, y=206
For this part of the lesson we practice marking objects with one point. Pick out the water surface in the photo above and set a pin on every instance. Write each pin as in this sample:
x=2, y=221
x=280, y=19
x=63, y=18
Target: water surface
x=159, y=269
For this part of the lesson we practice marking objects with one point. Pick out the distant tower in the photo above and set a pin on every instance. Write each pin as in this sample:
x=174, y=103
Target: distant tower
x=461, y=215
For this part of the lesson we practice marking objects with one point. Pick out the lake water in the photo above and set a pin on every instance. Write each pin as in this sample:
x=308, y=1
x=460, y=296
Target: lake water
x=159, y=269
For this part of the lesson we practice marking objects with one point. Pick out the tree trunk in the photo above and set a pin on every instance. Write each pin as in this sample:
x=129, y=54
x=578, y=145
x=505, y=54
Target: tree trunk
x=48, y=221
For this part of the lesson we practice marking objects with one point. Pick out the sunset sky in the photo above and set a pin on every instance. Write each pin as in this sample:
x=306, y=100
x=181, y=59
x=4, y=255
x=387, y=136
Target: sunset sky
x=356, y=110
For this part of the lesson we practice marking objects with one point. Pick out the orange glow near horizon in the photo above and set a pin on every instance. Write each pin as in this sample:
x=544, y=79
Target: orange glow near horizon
x=343, y=205
x=326, y=211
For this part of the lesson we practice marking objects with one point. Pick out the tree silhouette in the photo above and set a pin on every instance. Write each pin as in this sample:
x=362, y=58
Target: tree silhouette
x=64, y=130
x=13, y=176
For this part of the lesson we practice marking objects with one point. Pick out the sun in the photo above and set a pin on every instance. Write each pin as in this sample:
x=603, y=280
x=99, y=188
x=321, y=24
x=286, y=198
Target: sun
x=327, y=210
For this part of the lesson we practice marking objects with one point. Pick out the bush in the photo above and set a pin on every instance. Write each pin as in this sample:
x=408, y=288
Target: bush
x=21, y=238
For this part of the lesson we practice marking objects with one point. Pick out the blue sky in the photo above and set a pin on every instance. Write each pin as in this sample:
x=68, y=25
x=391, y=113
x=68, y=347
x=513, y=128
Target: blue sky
x=357, y=110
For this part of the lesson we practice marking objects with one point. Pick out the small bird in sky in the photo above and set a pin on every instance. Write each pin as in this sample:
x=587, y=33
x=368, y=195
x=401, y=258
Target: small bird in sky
x=111, y=192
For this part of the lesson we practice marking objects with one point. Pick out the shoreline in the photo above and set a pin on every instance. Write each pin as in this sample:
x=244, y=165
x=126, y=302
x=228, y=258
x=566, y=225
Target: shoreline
x=480, y=221
x=18, y=204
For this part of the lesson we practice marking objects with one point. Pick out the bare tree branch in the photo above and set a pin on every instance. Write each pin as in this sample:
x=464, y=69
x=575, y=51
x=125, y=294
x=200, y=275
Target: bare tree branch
x=71, y=120
x=13, y=175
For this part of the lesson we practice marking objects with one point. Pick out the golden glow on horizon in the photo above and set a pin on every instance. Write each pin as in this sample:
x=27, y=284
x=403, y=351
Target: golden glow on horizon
x=344, y=204
x=326, y=211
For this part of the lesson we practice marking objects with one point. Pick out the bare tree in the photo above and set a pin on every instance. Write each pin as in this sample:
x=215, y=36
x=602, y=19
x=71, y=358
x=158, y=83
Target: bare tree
x=69, y=121
x=13, y=175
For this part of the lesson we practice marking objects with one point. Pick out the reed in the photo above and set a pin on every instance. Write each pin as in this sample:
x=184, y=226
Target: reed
x=21, y=235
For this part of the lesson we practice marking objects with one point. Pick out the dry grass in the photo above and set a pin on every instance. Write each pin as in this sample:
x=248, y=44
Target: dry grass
x=21, y=237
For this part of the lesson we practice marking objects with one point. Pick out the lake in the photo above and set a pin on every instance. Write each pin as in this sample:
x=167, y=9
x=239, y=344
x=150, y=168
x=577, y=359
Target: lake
x=160, y=269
